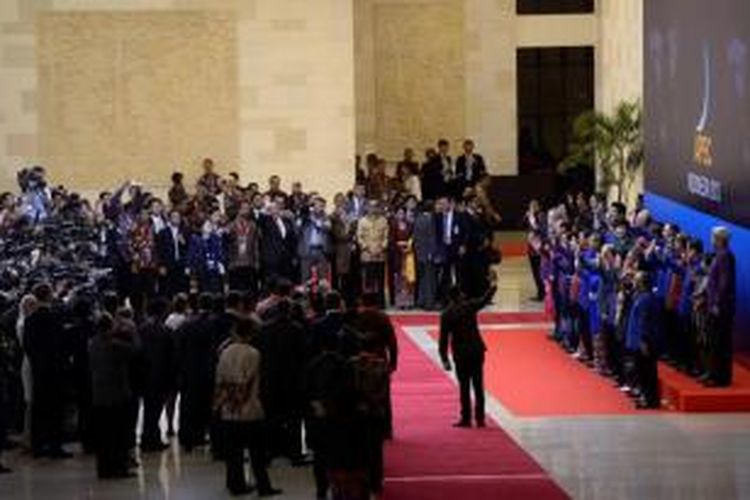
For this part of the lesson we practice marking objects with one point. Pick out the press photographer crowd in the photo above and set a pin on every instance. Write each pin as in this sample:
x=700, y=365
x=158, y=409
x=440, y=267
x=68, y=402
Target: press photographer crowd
x=627, y=291
x=238, y=315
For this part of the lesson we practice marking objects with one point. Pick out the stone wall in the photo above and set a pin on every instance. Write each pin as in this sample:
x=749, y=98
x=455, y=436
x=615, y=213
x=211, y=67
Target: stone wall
x=397, y=42
x=620, y=60
x=284, y=103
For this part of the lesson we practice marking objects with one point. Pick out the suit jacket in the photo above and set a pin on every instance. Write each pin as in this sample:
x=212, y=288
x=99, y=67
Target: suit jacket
x=47, y=348
x=457, y=231
x=165, y=245
x=467, y=178
x=722, y=293
x=459, y=328
x=376, y=323
x=110, y=363
x=310, y=224
x=431, y=177
x=206, y=254
x=158, y=356
x=476, y=233
x=342, y=237
x=356, y=208
x=277, y=251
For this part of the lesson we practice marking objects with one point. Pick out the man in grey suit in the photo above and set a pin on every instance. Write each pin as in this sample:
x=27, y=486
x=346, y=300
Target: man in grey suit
x=426, y=249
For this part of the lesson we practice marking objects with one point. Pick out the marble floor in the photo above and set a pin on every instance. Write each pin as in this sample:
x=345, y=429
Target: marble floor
x=643, y=457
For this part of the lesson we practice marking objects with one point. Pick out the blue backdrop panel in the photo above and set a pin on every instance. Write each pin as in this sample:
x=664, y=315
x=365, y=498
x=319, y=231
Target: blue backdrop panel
x=699, y=224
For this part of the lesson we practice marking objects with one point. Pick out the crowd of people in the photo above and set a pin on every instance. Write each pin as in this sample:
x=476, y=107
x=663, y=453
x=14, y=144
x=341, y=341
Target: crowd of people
x=627, y=291
x=256, y=313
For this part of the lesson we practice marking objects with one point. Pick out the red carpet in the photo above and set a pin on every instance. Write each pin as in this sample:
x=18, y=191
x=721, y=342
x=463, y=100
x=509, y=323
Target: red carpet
x=430, y=459
x=488, y=317
x=514, y=248
x=683, y=393
x=532, y=377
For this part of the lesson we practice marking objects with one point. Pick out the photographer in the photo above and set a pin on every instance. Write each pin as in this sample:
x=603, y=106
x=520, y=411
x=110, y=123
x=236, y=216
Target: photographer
x=35, y=197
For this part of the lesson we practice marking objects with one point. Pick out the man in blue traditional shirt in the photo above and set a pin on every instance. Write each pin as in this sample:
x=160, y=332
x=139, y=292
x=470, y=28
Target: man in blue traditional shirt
x=643, y=337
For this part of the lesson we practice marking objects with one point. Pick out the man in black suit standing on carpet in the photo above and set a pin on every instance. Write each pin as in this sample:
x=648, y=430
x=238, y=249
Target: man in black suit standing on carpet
x=459, y=326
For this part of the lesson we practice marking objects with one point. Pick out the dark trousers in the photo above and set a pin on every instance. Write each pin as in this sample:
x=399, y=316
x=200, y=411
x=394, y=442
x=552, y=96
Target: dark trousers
x=132, y=415
x=535, y=260
x=173, y=282
x=210, y=282
x=285, y=435
x=46, y=417
x=426, y=285
x=473, y=275
x=243, y=279
x=317, y=434
x=374, y=435
x=373, y=280
x=144, y=288
x=241, y=436
x=153, y=405
x=195, y=416
x=675, y=336
x=446, y=272
x=615, y=353
x=470, y=373
x=112, y=438
x=720, y=349
x=583, y=330
x=648, y=378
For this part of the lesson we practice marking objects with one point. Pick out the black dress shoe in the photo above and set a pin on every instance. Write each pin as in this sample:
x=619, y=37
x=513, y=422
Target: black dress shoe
x=147, y=447
x=59, y=454
x=245, y=490
x=271, y=492
x=301, y=460
x=462, y=424
x=481, y=424
x=642, y=404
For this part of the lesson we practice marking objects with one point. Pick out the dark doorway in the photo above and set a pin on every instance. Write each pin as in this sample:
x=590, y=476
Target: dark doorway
x=555, y=85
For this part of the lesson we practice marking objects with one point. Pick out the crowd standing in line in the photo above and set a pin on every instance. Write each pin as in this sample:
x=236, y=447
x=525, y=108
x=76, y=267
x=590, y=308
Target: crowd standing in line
x=256, y=312
x=626, y=291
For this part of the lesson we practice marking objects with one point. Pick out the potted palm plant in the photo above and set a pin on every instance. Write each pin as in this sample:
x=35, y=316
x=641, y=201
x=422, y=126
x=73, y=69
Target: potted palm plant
x=612, y=141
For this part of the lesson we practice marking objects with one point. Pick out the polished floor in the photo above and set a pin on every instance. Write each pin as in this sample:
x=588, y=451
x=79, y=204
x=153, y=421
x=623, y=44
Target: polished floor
x=643, y=457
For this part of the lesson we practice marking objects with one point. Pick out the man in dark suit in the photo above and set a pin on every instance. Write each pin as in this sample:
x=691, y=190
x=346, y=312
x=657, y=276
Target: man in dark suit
x=196, y=354
x=459, y=327
x=158, y=361
x=451, y=235
x=430, y=176
x=48, y=349
x=172, y=247
x=470, y=168
x=722, y=297
x=473, y=268
x=283, y=347
x=278, y=245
